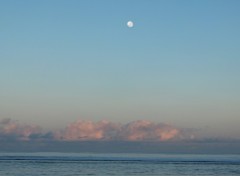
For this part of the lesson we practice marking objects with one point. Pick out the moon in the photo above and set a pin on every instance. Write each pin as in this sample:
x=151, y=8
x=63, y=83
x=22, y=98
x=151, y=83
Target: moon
x=130, y=24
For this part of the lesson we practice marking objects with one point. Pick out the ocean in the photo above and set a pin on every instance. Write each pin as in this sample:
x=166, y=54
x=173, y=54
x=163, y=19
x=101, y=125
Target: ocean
x=74, y=164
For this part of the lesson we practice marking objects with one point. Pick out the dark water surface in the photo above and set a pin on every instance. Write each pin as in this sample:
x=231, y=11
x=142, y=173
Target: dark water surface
x=62, y=164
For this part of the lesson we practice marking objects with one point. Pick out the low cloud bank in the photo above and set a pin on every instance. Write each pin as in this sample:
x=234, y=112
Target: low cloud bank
x=140, y=136
x=81, y=130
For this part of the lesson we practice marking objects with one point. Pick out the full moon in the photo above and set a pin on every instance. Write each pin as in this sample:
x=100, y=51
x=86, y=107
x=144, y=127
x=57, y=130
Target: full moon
x=130, y=24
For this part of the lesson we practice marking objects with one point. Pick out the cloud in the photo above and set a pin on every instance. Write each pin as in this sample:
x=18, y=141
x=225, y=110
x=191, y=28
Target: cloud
x=146, y=130
x=13, y=130
x=141, y=130
x=81, y=130
x=88, y=130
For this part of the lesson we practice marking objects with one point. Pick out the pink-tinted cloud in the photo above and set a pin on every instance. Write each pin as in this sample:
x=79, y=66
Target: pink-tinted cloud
x=88, y=130
x=141, y=130
x=15, y=130
x=146, y=130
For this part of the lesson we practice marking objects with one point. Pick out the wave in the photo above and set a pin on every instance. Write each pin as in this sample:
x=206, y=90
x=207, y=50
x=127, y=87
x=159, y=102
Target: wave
x=131, y=158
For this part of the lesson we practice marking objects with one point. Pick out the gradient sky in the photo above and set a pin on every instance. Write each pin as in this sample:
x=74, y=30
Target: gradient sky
x=66, y=60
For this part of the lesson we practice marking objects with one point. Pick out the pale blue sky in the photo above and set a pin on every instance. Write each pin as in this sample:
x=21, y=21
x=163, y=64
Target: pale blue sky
x=65, y=60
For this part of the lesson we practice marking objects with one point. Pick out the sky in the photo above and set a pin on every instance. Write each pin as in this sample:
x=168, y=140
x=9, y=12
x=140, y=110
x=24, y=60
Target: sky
x=76, y=69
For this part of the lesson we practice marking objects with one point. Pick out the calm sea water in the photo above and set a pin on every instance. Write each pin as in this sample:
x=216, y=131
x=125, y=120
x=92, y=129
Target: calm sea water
x=60, y=164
